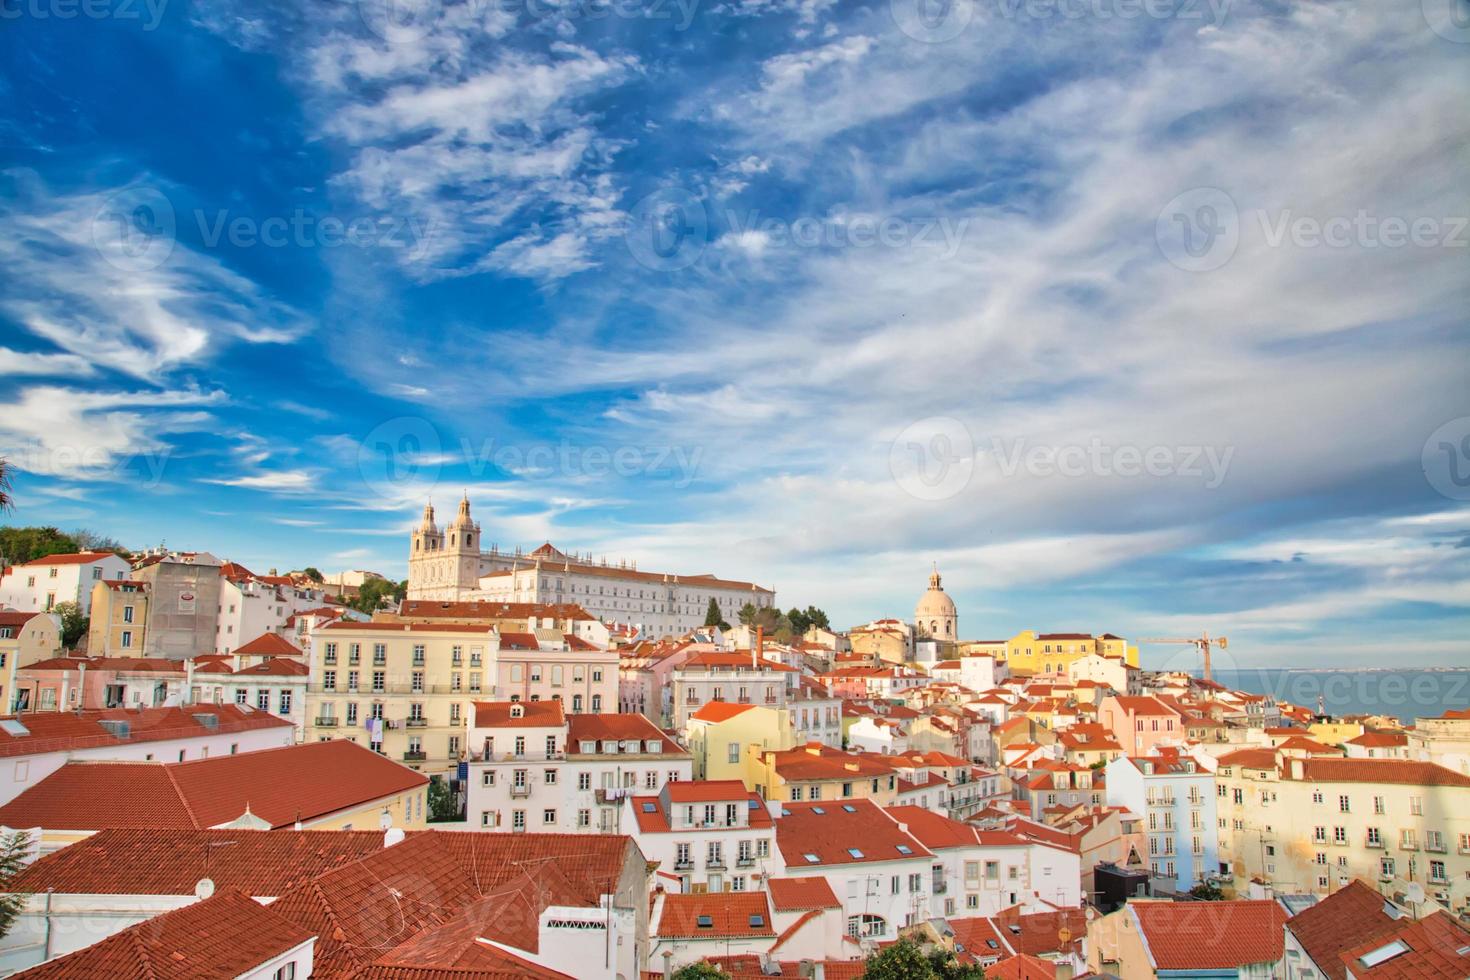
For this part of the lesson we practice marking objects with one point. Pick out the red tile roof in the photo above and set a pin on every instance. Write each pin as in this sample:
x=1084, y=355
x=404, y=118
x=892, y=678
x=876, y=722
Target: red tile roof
x=280, y=786
x=217, y=939
x=157, y=861
x=138, y=664
x=707, y=791
x=1021, y=967
x=841, y=832
x=799, y=894
x=1210, y=935
x=1377, y=740
x=1401, y=772
x=1143, y=705
x=269, y=645
x=519, y=641
x=533, y=714
x=729, y=915
x=78, y=558
x=1251, y=759
x=437, y=609
x=1348, y=917
x=1437, y=947
x=366, y=909
x=815, y=761
x=717, y=711
x=276, y=667
x=65, y=731
x=379, y=627
x=600, y=728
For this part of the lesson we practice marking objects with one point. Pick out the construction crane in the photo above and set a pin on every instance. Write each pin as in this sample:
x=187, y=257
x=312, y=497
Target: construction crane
x=1203, y=643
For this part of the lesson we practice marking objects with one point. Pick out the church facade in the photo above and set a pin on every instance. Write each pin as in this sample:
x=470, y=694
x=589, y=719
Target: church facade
x=452, y=565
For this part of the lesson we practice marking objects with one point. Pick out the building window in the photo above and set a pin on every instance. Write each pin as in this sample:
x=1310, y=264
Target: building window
x=263, y=700
x=548, y=816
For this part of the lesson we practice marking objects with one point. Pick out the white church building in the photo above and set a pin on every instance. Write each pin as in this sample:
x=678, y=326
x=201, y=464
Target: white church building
x=451, y=564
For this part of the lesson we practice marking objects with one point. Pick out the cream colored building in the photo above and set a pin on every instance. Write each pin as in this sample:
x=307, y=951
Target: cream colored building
x=452, y=564
x=403, y=689
x=119, y=623
x=1315, y=824
x=25, y=638
x=935, y=616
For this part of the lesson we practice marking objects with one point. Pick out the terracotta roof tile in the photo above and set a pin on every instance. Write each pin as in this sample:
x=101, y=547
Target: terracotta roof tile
x=269, y=645
x=280, y=786
x=1210, y=935
x=842, y=832
x=724, y=915
x=796, y=894
x=217, y=939
x=1348, y=917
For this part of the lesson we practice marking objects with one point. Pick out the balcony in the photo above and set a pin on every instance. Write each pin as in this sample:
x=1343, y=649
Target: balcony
x=939, y=888
x=683, y=865
x=1374, y=843
x=416, y=722
x=1408, y=845
x=1435, y=847
x=715, y=864
x=326, y=723
x=745, y=862
x=415, y=756
x=520, y=789
x=1439, y=879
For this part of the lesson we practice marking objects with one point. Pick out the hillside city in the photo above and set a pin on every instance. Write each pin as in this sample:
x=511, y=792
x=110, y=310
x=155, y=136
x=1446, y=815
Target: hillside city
x=539, y=764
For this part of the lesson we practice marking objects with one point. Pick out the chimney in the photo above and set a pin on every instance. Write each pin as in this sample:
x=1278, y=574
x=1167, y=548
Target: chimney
x=668, y=964
x=758, y=651
x=81, y=688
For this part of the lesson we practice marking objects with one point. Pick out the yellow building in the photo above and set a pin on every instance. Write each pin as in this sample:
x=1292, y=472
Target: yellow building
x=722, y=733
x=1315, y=824
x=1335, y=732
x=817, y=772
x=403, y=689
x=25, y=638
x=1029, y=652
x=119, y=621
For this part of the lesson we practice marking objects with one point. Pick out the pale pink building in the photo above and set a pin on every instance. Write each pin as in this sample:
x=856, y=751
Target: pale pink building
x=1140, y=724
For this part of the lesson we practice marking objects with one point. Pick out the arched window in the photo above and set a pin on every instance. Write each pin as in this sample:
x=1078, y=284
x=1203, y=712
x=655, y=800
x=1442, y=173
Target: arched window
x=866, y=926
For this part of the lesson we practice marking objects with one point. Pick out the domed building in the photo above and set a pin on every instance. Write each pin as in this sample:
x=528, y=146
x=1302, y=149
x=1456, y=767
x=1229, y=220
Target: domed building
x=935, y=615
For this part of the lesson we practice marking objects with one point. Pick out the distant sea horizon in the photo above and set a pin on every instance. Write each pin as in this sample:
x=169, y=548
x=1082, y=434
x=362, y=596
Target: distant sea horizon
x=1404, y=693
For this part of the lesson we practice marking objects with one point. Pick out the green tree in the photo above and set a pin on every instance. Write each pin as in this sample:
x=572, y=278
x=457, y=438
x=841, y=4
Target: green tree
x=22, y=544
x=746, y=615
x=816, y=617
x=73, y=623
x=713, y=616
x=376, y=593
x=13, y=852
x=311, y=572
x=1207, y=891
x=798, y=620
x=700, y=971
x=442, y=806
x=88, y=540
x=904, y=960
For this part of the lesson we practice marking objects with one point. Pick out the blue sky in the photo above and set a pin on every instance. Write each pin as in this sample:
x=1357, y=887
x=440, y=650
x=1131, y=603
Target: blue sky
x=1144, y=318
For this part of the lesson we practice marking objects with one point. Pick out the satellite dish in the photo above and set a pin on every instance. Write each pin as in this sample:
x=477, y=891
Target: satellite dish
x=385, y=820
x=1415, y=892
x=204, y=888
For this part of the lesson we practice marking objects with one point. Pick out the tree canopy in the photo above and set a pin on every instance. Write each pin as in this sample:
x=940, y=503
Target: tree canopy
x=713, y=616
x=375, y=593
x=905, y=960
x=73, y=623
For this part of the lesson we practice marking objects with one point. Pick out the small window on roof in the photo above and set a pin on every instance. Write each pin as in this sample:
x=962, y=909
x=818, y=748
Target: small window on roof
x=905, y=849
x=819, y=811
x=855, y=852
x=648, y=808
x=849, y=808
x=758, y=921
x=992, y=944
x=812, y=859
x=705, y=922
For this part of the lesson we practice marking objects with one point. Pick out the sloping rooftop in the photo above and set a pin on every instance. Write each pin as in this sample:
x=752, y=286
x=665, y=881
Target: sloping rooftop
x=280, y=786
x=1210, y=935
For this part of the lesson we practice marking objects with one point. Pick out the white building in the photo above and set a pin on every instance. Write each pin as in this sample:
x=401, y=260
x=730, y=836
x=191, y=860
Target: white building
x=739, y=678
x=250, y=605
x=1176, y=795
x=981, y=872
x=882, y=874
x=706, y=836
x=534, y=767
x=40, y=584
x=452, y=564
